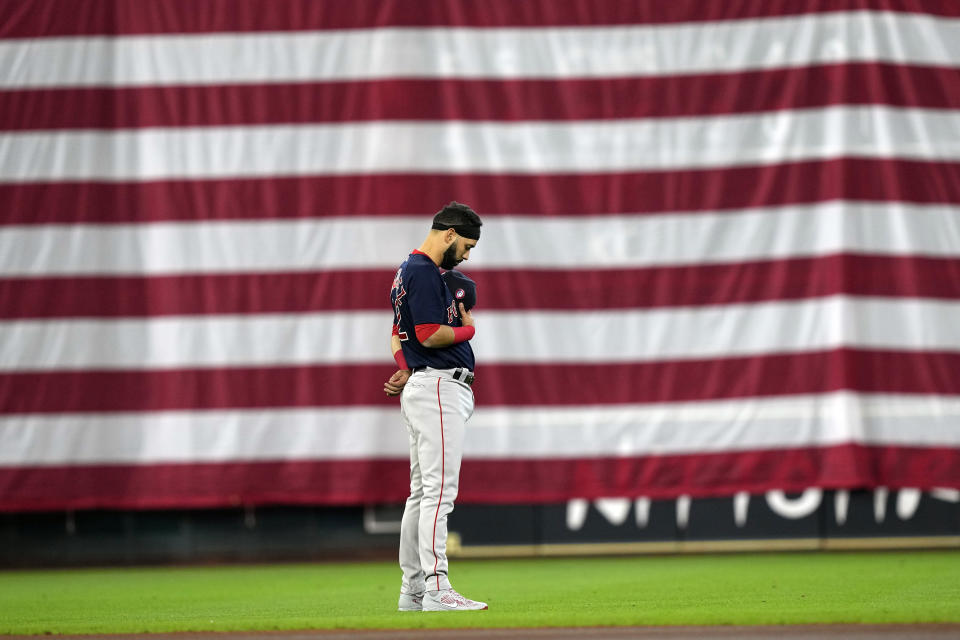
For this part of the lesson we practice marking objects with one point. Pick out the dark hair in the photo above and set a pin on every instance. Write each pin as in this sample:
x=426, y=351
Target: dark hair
x=456, y=214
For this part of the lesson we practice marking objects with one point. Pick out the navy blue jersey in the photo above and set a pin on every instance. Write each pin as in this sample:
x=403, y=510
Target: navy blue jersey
x=420, y=296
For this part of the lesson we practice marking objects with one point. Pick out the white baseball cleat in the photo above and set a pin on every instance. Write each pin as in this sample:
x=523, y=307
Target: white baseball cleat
x=410, y=602
x=450, y=600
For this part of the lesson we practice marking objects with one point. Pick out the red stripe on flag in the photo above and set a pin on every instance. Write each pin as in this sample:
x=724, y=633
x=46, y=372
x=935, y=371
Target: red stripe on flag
x=129, y=296
x=709, y=474
x=534, y=384
x=768, y=375
x=500, y=289
x=714, y=284
x=39, y=18
x=500, y=194
x=505, y=100
x=490, y=481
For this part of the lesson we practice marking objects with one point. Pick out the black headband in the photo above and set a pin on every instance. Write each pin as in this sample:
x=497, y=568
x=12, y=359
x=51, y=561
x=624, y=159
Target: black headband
x=467, y=231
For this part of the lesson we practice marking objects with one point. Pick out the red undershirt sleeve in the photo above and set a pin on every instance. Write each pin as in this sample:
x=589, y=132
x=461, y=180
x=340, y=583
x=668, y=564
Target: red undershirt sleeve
x=460, y=334
x=424, y=331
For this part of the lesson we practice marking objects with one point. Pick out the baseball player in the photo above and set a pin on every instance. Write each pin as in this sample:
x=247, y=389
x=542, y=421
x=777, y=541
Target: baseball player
x=431, y=345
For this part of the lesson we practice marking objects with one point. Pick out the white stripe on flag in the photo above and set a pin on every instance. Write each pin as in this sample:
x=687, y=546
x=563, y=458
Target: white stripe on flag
x=524, y=147
x=889, y=228
x=640, y=335
x=542, y=432
x=558, y=52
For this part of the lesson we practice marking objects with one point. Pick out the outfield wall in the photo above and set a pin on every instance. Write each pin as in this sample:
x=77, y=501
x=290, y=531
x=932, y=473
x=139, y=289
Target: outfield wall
x=813, y=520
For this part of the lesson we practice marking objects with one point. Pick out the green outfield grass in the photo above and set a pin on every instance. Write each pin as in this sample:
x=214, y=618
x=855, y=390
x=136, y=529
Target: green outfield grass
x=792, y=588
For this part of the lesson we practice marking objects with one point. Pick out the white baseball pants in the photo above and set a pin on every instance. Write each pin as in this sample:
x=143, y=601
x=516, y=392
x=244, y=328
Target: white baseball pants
x=435, y=408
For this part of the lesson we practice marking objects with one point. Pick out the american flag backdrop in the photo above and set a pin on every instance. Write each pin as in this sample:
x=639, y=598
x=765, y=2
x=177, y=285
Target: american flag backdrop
x=721, y=245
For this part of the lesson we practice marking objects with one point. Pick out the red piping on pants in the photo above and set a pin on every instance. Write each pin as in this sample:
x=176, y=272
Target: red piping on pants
x=436, y=560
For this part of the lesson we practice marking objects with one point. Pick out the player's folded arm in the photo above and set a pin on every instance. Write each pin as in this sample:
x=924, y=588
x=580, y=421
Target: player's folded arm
x=397, y=350
x=441, y=335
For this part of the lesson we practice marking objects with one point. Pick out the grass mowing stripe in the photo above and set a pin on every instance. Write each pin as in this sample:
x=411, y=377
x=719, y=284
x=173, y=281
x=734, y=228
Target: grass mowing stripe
x=789, y=588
